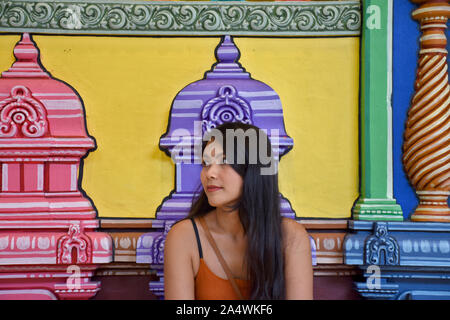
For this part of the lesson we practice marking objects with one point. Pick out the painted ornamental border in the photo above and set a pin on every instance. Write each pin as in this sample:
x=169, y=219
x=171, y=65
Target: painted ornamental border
x=125, y=17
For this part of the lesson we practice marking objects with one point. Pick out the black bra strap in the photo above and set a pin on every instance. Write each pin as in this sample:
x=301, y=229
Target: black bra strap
x=200, y=252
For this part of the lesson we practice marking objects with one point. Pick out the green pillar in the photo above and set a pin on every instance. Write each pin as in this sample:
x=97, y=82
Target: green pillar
x=376, y=201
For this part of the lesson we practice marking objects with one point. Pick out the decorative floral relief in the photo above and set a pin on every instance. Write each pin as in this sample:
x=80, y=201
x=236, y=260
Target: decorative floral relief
x=22, y=111
x=204, y=17
x=4, y=242
x=444, y=246
x=23, y=243
x=125, y=243
x=158, y=249
x=75, y=239
x=329, y=243
x=43, y=243
x=147, y=242
x=226, y=107
x=105, y=244
x=381, y=248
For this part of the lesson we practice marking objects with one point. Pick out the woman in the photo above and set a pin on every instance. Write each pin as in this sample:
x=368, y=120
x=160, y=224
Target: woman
x=234, y=244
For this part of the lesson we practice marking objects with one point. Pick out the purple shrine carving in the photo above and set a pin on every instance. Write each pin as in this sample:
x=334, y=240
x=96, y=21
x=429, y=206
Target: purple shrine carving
x=226, y=94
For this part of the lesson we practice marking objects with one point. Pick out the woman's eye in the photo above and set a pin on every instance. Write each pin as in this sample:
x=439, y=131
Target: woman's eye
x=205, y=164
x=219, y=162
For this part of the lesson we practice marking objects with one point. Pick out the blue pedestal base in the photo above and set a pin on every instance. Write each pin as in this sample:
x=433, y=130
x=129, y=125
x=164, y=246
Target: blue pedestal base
x=400, y=260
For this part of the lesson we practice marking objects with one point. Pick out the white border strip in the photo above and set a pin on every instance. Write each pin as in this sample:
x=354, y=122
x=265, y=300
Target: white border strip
x=4, y=177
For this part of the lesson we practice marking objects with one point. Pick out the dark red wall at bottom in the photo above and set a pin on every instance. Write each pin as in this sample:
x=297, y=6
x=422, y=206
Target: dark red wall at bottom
x=335, y=288
x=136, y=288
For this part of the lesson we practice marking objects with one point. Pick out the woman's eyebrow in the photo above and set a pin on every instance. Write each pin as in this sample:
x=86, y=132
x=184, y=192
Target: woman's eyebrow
x=217, y=154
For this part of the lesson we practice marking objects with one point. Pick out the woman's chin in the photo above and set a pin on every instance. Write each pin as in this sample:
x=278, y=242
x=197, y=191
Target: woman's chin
x=214, y=204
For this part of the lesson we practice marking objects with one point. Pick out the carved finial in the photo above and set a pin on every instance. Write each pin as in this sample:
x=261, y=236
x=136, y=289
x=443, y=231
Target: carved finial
x=227, y=66
x=26, y=65
x=25, y=50
x=227, y=50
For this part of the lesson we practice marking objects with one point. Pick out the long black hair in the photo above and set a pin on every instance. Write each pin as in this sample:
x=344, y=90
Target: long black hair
x=259, y=210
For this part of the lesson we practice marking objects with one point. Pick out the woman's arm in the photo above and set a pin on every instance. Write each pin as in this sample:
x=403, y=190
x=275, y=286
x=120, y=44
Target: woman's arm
x=298, y=262
x=178, y=269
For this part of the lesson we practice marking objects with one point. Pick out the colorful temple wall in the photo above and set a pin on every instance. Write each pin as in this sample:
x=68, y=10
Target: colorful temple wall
x=317, y=77
x=128, y=85
x=121, y=187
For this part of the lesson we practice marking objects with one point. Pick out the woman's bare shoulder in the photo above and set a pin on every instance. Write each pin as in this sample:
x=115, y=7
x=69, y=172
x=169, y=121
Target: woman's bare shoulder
x=298, y=267
x=181, y=230
x=291, y=226
x=294, y=233
x=181, y=235
x=178, y=261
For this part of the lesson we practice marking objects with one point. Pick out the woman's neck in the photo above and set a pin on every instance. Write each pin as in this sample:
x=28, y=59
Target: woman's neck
x=228, y=222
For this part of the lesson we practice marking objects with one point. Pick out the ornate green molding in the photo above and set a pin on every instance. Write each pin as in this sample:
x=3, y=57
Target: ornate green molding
x=315, y=18
x=376, y=201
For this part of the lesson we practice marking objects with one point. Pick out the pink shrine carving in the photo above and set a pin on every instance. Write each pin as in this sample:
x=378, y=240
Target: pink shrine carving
x=49, y=248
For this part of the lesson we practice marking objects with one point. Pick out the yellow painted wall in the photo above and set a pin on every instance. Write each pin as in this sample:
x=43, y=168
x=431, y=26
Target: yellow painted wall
x=128, y=84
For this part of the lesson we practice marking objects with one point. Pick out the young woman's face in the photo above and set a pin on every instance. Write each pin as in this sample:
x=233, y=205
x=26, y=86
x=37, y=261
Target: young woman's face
x=222, y=185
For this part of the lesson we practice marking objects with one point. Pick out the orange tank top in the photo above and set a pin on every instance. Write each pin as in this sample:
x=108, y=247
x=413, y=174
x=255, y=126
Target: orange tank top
x=209, y=286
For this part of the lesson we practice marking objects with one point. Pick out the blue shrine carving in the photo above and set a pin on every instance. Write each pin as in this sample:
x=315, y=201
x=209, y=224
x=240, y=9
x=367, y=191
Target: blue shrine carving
x=226, y=107
x=412, y=259
x=381, y=248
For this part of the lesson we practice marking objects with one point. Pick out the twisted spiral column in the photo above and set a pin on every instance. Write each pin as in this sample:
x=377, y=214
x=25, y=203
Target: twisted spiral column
x=426, y=148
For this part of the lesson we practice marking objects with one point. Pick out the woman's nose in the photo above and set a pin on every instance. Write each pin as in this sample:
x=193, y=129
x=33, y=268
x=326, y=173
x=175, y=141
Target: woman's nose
x=212, y=170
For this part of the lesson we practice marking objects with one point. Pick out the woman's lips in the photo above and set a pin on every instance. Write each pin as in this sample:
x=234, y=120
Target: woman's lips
x=213, y=188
